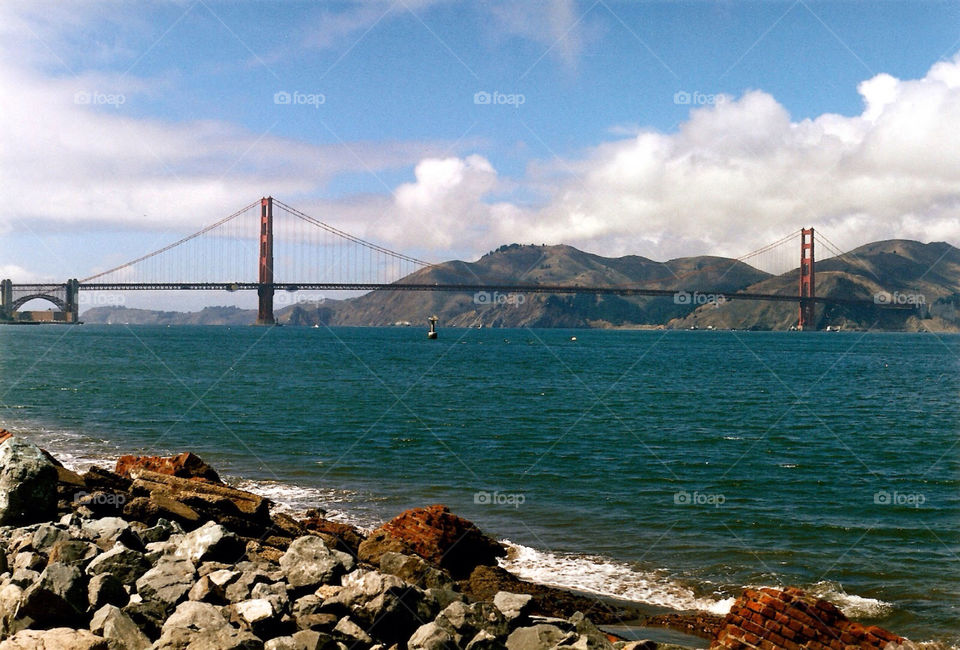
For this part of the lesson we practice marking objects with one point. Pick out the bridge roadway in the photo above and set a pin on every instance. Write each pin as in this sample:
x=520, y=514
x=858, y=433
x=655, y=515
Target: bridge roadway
x=462, y=288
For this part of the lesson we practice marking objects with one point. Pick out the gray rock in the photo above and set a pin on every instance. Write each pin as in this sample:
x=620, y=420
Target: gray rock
x=60, y=638
x=483, y=640
x=125, y=564
x=308, y=563
x=74, y=552
x=46, y=536
x=195, y=616
x=389, y=608
x=28, y=483
x=257, y=615
x=105, y=589
x=167, y=583
x=207, y=591
x=210, y=542
x=431, y=636
x=591, y=638
x=515, y=607
x=200, y=626
x=276, y=593
x=463, y=621
x=59, y=597
x=24, y=577
x=309, y=613
x=149, y=615
x=161, y=532
x=445, y=597
x=29, y=561
x=353, y=632
x=537, y=637
x=104, y=531
x=281, y=643
x=312, y=640
x=118, y=629
x=10, y=597
x=241, y=587
x=415, y=570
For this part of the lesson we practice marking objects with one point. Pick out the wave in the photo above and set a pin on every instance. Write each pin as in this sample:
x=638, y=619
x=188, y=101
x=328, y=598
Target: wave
x=852, y=605
x=606, y=577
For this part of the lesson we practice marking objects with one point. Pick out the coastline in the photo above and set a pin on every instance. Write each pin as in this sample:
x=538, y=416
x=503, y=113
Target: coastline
x=147, y=490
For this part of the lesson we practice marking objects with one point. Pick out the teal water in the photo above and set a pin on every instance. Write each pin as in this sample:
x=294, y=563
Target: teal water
x=672, y=468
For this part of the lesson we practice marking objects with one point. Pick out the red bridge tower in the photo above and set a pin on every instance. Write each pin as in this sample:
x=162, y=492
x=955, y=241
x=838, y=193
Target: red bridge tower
x=808, y=291
x=265, y=290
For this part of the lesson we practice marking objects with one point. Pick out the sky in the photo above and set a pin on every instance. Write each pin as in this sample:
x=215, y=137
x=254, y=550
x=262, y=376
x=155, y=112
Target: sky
x=443, y=129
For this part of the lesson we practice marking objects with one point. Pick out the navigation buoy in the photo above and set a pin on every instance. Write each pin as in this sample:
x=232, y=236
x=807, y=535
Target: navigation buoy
x=432, y=334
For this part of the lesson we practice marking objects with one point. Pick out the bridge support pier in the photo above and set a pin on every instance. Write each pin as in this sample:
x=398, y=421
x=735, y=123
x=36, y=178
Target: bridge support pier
x=6, y=300
x=265, y=267
x=72, y=307
x=808, y=290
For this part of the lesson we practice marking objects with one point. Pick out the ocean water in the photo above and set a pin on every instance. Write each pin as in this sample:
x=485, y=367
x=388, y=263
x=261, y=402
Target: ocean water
x=669, y=468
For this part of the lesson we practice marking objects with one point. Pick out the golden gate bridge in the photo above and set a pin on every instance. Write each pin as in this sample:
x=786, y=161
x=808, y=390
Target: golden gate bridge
x=222, y=253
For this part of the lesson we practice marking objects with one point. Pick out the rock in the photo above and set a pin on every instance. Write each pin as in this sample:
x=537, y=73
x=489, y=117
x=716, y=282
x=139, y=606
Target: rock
x=74, y=552
x=431, y=636
x=463, y=621
x=185, y=465
x=196, y=616
x=161, y=531
x=10, y=597
x=309, y=613
x=200, y=626
x=591, y=638
x=123, y=563
x=155, y=508
x=389, y=608
x=312, y=640
x=353, y=632
x=167, y=583
x=308, y=563
x=281, y=643
x=46, y=536
x=537, y=637
x=276, y=593
x=118, y=629
x=60, y=638
x=29, y=561
x=59, y=597
x=257, y=615
x=242, y=512
x=207, y=591
x=415, y=570
x=438, y=536
x=149, y=615
x=97, y=479
x=643, y=644
x=240, y=588
x=210, y=542
x=337, y=535
x=515, y=607
x=105, y=589
x=484, y=641
x=104, y=531
x=28, y=483
x=24, y=577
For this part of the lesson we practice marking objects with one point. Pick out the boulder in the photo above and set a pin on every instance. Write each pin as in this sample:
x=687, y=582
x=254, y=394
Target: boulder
x=167, y=583
x=59, y=597
x=241, y=587
x=186, y=465
x=337, y=535
x=352, y=632
x=205, y=590
x=312, y=640
x=591, y=638
x=200, y=626
x=157, y=507
x=10, y=597
x=431, y=636
x=309, y=613
x=123, y=563
x=28, y=483
x=537, y=637
x=416, y=570
x=46, y=536
x=104, y=531
x=388, y=608
x=74, y=552
x=118, y=629
x=60, y=638
x=514, y=607
x=105, y=589
x=463, y=621
x=484, y=641
x=210, y=542
x=257, y=615
x=308, y=563
x=149, y=615
x=438, y=536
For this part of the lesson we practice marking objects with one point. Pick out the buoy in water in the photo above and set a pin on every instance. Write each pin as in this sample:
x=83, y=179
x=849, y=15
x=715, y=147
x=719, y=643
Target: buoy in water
x=432, y=334
x=573, y=338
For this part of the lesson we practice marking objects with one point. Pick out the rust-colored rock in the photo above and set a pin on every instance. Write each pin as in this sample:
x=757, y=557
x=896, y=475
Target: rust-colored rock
x=793, y=620
x=340, y=536
x=185, y=465
x=4, y=436
x=438, y=536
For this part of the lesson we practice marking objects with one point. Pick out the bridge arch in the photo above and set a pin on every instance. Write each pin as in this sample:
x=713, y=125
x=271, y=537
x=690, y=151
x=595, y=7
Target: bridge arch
x=22, y=300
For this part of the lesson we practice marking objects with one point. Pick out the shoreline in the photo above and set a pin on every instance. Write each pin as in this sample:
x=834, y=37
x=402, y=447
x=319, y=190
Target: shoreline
x=426, y=546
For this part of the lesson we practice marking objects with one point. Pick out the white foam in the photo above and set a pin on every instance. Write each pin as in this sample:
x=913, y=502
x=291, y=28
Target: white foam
x=296, y=500
x=852, y=605
x=606, y=577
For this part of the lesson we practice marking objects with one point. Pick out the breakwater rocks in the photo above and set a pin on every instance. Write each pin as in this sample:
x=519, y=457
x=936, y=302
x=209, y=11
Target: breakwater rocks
x=161, y=554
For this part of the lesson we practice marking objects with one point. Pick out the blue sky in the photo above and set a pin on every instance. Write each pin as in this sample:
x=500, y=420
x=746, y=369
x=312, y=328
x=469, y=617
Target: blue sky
x=656, y=128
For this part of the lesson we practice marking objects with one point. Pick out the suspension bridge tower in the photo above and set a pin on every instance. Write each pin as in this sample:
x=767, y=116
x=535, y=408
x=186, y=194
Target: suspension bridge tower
x=265, y=267
x=808, y=308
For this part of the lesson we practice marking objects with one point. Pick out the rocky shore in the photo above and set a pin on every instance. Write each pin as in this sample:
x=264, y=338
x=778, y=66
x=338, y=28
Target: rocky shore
x=159, y=553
